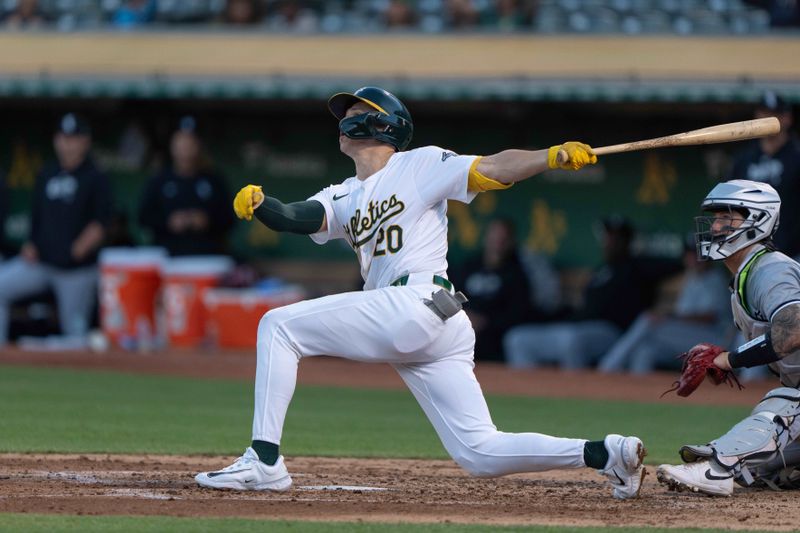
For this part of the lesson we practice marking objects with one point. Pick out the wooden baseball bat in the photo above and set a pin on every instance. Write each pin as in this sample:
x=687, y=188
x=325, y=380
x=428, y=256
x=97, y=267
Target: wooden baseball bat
x=723, y=133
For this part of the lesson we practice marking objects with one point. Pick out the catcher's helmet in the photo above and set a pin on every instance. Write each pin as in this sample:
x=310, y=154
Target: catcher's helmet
x=390, y=122
x=758, y=203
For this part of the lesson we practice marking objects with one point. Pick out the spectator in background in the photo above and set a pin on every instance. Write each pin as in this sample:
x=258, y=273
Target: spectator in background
x=71, y=207
x=776, y=160
x=461, y=14
x=187, y=206
x=295, y=15
x=399, y=14
x=25, y=16
x=508, y=15
x=617, y=292
x=497, y=288
x=242, y=12
x=701, y=314
x=545, y=281
x=133, y=13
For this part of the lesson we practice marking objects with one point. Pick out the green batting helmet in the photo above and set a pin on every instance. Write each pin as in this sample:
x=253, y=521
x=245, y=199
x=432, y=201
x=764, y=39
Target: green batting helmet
x=390, y=122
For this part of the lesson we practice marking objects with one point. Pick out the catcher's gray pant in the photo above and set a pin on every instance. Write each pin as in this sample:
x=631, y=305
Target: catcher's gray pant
x=434, y=358
x=653, y=342
x=571, y=345
x=75, y=292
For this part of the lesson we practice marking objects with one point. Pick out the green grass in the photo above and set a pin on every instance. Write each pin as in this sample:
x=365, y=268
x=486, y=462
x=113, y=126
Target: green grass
x=161, y=524
x=54, y=410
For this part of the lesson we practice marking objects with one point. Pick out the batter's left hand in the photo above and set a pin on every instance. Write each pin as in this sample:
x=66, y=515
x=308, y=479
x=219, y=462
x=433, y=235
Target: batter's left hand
x=578, y=156
x=247, y=200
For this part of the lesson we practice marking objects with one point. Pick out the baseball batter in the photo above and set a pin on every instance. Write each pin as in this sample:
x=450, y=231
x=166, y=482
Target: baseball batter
x=393, y=213
x=762, y=449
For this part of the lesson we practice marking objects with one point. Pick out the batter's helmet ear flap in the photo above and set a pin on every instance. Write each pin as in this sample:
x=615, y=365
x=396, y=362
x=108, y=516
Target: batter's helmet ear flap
x=390, y=121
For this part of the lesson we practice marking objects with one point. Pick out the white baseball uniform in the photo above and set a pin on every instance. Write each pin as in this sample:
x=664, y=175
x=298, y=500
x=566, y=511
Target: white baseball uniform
x=396, y=222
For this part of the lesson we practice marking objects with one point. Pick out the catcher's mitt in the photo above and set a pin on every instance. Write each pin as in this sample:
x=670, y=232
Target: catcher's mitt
x=697, y=364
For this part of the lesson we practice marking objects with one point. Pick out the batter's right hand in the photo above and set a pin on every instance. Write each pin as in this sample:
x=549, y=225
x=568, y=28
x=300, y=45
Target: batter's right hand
x=247, y=200
x=570, y=156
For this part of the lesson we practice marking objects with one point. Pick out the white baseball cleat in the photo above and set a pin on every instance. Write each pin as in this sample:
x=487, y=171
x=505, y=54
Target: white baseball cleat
x=624, y=468
x=703, y=476
x=248, y=473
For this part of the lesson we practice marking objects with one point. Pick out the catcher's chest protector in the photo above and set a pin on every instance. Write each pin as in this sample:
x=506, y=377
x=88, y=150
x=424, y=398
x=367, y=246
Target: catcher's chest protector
x=766, y=282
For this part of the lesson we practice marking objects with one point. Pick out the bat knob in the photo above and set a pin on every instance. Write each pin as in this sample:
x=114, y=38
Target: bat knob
x=562, y=157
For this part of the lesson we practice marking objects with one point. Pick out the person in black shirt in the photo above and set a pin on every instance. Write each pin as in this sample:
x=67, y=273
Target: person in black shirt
x=71, y=207
x=498, y=289
x=776, y=160
x=621, y=288
x=187, y=207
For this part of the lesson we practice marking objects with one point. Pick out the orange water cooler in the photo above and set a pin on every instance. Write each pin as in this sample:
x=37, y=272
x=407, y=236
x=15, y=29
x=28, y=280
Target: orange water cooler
x=130, y=279
x=233, y=314
x=186, y=279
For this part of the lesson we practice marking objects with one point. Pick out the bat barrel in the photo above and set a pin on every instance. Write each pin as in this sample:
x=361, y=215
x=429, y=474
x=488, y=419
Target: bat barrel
x=734, y=131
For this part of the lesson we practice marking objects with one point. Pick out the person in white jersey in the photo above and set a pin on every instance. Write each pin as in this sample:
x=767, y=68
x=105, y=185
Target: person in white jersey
x=393, y=213
x=763, y=449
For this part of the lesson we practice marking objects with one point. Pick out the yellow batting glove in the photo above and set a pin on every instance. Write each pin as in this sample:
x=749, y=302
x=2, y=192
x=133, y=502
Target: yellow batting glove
x=247, y=199
x=570, y=156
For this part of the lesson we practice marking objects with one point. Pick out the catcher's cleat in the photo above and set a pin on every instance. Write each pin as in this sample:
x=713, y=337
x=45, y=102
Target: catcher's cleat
x=702, y=476
x=624, y=468
x=248, y=473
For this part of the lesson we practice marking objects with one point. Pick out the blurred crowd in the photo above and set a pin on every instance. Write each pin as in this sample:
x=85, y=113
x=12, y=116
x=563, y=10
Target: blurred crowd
x=185, y=207
x=632, y=313
x=427, y=16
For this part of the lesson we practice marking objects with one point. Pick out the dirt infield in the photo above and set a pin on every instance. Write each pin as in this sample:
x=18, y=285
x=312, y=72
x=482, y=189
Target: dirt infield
x=373, y=489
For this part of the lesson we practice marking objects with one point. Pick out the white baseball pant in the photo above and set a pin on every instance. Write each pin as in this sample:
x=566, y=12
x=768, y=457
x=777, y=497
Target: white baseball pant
x=434, y=358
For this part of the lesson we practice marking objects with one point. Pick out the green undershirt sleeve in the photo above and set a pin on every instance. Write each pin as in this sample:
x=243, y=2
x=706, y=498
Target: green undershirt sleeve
x=304, y=218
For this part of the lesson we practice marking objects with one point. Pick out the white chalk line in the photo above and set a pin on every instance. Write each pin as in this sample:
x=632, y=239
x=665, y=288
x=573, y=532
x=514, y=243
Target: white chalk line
x=91, y=478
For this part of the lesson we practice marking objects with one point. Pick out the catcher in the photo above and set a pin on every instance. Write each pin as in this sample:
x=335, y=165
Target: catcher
x=763, y=449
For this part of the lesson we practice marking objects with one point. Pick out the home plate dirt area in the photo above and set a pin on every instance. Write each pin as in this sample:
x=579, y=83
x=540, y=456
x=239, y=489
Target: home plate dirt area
x=376, y=490
x=380, y=490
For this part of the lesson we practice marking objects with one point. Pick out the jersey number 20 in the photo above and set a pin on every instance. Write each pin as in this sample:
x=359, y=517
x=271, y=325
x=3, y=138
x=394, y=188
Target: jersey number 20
x=390, y=240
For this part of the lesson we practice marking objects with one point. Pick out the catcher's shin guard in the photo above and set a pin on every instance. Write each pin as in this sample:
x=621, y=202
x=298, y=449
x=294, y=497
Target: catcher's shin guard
x=757, y=440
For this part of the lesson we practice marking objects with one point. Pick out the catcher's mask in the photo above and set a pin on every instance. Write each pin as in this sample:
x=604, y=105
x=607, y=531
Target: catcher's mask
x=390, y=122
x=756, y=205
